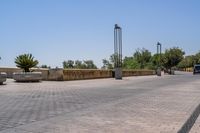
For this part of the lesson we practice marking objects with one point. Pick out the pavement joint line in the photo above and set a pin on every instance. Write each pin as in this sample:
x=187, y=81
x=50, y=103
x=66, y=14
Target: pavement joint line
x=67, y=114
x=187, y=126
x=102, y=104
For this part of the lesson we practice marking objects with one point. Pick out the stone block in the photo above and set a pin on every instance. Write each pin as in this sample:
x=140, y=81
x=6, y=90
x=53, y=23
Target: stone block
x=118, y=73
x=2, y=77
x=158, y=72
x=27, y=76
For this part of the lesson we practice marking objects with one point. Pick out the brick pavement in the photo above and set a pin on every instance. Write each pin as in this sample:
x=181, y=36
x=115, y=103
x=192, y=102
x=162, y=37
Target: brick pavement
x=135, y=104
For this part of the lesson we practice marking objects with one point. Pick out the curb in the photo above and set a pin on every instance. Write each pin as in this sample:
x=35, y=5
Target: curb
x=190, y=121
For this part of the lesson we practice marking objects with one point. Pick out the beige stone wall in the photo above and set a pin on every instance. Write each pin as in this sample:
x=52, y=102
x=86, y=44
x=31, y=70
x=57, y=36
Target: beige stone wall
x=55, y=75
x=10, y=72
x=127, y=73
x=77, y=74
x=45, y=72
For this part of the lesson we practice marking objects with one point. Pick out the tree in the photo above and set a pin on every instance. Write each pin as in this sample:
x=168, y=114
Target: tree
x=187, y=62
x=182, y=64
x=25, y=62
x=112, y=59
x=155, y=60
x=89, y=64
x=172, y=57
x=44, y=66
x=142, y=56
x=68, y=64
x=197, y=58
x=78, y=64
x=130, y=63
x=109, y=64
x=106, y=64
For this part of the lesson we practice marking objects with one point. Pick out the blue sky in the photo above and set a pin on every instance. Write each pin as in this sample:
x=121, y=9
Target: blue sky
x=58, y=30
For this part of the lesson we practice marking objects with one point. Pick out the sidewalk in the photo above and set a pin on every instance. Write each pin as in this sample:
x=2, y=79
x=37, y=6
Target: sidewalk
x=145, y=105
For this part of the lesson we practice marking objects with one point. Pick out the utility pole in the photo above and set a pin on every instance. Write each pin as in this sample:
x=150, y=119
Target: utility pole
x=159, y=51
x=118, y=51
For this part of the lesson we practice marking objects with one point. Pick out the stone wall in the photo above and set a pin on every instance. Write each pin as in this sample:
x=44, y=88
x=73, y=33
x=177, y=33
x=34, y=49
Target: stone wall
x=55, y=74
x=77, y=74
x=45, y=72
x=10, y=71
x=127, y=73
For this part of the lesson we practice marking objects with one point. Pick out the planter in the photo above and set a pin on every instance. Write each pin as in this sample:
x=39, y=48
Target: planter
x=2, y=78
x=27, y=76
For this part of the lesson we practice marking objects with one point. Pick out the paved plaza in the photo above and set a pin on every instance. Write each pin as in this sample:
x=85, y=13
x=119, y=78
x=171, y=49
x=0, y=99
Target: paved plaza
x=147, y=104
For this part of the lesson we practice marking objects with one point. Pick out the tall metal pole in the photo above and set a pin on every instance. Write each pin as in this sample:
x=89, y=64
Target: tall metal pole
x=118, y=52
x=160, y=53
x=158, y=71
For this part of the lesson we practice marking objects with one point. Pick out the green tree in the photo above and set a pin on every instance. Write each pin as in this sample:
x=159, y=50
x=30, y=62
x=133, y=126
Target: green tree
x=112, y=59
x=130, y=63
x=106, y=64
x=89, y=64
x=142, y=56
x=182, y=64
x=25, y=62
x=68, y=64
x=172, y=57
x=155, y=60
x=197, y=58
x=78, y=64
x=109, y=64
x=188, y=61
x=44, y=66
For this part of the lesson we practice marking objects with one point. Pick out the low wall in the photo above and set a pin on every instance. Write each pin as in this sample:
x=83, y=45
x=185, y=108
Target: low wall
x=55, y=75
x=190, y=69
x=127, y=73
x=45, y=72
x=10, y=71
x=77, y=74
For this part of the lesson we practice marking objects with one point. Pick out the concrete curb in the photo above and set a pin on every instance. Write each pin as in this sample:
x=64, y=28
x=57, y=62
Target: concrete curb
x=190, y=121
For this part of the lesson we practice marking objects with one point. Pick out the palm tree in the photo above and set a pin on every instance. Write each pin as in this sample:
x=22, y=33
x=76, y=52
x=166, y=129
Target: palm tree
x=25, y=62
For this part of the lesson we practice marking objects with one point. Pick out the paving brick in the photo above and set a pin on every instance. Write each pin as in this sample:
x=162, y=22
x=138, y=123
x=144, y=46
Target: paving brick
x=146, y=104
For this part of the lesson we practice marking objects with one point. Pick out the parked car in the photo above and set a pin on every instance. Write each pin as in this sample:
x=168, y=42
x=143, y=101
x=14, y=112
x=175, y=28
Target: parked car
x=196, y=69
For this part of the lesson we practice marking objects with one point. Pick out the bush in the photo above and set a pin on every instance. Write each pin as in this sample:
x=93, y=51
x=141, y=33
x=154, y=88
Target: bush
x=25, y=62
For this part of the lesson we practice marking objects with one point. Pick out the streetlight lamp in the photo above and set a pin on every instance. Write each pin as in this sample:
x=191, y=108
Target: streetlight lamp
x=159, y=50
x=118, y=51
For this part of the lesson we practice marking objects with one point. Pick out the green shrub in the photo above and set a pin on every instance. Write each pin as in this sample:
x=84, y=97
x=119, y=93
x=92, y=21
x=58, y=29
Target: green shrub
x=25, y=62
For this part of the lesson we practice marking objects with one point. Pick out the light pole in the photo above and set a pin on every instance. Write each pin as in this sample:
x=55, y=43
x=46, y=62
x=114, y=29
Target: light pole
x=159, y=50
x=118, y=51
